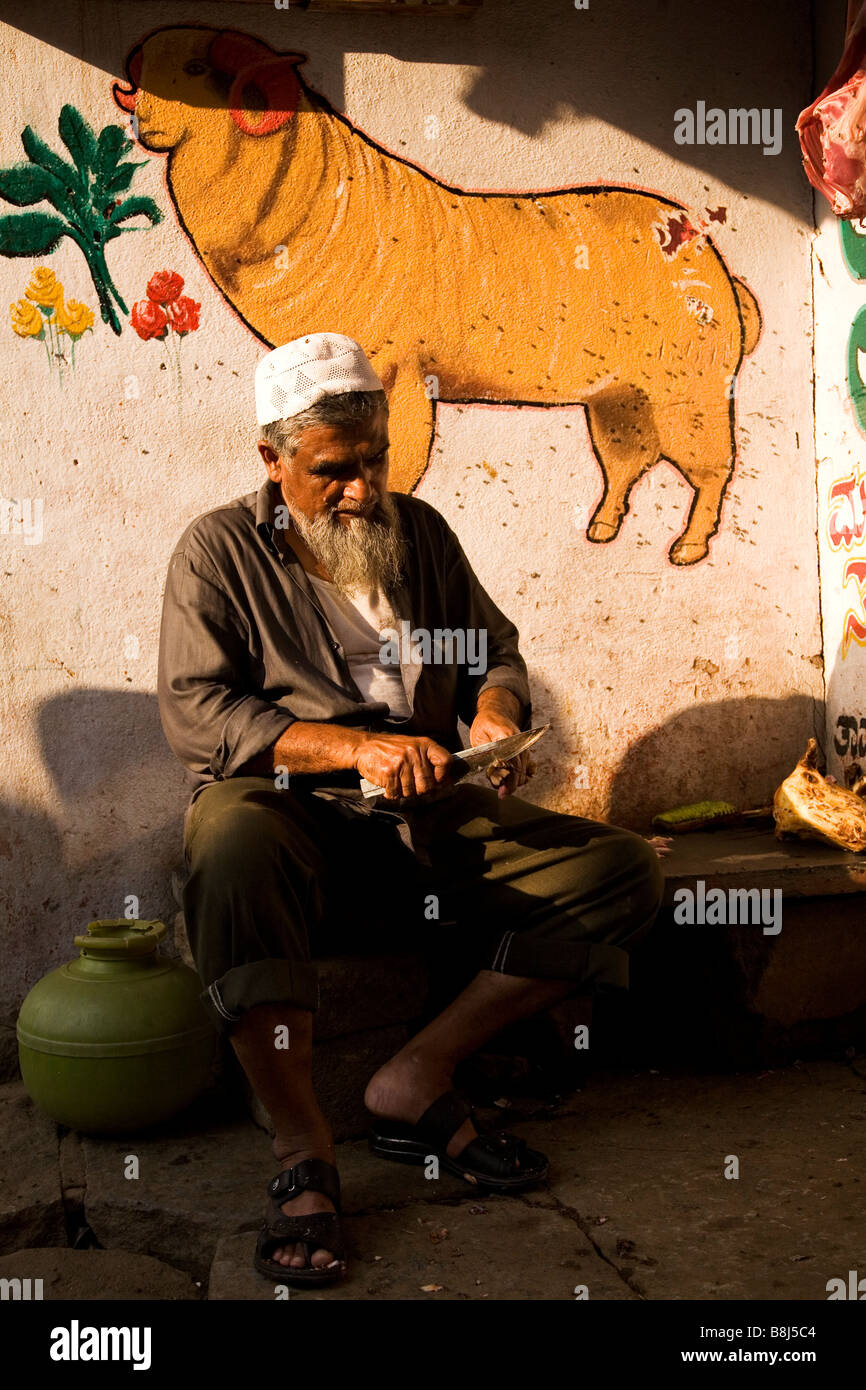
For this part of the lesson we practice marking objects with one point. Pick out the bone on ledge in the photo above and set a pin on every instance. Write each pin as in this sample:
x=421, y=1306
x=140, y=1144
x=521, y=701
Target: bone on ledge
x=809, y=807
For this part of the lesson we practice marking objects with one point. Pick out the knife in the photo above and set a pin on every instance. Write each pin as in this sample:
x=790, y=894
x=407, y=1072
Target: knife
x=480, y=758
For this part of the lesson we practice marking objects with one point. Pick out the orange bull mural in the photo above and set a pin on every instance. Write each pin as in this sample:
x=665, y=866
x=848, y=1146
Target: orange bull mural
x=607, y=298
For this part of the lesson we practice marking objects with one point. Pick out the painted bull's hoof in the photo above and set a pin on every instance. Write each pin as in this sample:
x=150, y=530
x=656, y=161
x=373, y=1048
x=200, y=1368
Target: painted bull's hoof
x=602, y=531
x=688, y=552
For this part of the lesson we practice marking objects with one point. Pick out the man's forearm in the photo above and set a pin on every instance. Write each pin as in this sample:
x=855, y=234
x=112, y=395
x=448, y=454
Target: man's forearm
x=309, y=747
x=313, y=747
x=501, y=702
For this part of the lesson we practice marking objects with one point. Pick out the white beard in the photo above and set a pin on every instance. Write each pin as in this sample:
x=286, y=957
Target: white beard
x=367, y=553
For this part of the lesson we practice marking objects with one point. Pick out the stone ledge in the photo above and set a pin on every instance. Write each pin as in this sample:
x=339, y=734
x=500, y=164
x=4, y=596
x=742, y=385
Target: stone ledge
x=727, y=858
x=364, y=992
x=341, y=1069
x=725, y=996
x=358, y=992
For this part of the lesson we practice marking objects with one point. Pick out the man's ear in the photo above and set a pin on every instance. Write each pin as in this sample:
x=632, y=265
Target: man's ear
x=271, y=459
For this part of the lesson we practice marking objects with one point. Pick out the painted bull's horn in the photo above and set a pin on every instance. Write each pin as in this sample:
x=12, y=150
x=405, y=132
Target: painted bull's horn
x=278, y=83
x=126, y=99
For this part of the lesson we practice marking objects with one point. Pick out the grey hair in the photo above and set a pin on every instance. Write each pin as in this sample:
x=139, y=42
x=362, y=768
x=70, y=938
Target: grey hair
x=335, y=412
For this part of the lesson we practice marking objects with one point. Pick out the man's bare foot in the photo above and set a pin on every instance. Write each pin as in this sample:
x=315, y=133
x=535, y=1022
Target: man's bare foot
x=405, y=1087
x=293, y=1256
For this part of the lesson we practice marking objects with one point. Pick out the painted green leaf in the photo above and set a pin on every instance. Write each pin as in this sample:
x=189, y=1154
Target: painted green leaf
x=113, y=143
x=24, y=184
x=122, y=178
x=78, y=137
x=111, y=146
x=134, y=207
x=42, y=154
x=31, y=234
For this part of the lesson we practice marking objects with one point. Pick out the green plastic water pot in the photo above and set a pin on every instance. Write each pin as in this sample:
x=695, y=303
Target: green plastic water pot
x=117, y=1040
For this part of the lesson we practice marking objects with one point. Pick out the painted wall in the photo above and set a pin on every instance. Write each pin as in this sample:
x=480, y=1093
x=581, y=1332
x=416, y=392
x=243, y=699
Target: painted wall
x=584, y=321
x=839, y=269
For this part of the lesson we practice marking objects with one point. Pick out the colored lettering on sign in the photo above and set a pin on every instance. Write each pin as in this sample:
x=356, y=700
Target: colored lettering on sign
x=850, y=738
x=846, y=522
x=855, y=626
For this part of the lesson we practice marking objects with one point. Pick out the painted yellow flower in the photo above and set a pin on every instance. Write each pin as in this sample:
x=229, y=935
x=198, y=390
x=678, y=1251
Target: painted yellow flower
x=74, y=318
x=26, y=319
x=44, y=288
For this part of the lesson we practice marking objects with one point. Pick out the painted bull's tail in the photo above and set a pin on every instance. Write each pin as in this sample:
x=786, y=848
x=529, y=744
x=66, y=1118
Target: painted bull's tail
x=750, y=314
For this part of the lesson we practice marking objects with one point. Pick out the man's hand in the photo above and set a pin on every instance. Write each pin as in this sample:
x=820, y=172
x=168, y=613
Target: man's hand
x=406, y=767
x=498, y=712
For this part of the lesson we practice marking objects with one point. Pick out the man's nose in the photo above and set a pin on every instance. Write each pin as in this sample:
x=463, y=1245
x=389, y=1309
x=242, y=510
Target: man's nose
x=362, y=488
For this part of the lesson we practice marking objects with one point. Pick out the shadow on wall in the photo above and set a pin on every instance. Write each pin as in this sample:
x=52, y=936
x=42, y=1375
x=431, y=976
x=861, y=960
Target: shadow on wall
x=34, y=895
x=98, y=742
x=766, y=738
x=665, y=767
x=115, y=832
x=632, y=66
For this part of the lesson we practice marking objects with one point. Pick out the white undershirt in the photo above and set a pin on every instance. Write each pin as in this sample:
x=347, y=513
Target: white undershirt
x=356, y=623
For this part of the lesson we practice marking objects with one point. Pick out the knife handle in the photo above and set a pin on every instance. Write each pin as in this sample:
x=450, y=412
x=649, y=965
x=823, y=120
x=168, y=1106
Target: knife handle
x=457, y=769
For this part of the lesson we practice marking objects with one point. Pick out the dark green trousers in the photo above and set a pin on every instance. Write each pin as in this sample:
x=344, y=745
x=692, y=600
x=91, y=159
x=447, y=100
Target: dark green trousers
x=279, y=876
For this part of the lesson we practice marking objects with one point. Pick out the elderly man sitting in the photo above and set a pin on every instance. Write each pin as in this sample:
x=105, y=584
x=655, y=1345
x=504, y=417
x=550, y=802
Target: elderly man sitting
x=275, y=689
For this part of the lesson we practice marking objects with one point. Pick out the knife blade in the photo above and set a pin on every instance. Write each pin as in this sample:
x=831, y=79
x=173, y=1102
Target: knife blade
x=480, y=758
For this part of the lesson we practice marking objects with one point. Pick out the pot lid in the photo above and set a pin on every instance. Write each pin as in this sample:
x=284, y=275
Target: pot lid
x=111, y=938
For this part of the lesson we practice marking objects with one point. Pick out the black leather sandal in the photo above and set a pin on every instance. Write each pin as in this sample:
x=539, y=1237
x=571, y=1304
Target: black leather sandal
x=319, y=1230
x=498, y=1162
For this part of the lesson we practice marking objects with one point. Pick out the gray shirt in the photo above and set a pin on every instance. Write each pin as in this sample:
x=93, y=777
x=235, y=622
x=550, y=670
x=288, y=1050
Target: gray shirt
x=245, y=649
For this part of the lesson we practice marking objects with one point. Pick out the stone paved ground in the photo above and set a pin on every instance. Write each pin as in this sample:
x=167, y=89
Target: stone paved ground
x=637, y=1205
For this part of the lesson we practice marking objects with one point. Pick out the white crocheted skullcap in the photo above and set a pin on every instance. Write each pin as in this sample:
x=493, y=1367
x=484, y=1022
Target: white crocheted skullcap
x=298, y=374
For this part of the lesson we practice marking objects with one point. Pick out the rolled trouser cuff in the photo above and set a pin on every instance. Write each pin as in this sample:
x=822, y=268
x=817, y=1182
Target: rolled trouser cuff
x=294, y=984
x=598, y=967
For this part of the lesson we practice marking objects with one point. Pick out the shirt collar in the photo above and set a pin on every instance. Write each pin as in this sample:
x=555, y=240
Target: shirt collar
x=268, y=499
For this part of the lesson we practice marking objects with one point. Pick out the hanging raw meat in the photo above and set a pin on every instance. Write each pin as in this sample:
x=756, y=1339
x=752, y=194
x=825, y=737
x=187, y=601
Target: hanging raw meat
x=833, y=129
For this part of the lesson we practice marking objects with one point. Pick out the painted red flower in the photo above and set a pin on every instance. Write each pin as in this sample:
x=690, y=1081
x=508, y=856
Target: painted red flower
x=148, y=320
x=183, y=314
x=164, y=287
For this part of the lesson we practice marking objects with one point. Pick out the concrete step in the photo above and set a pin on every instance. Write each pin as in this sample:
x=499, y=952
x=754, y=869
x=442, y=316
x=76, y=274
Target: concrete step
x=31, y=1204
x=643, y=1201
x=661, y=1187
x=110, y=1275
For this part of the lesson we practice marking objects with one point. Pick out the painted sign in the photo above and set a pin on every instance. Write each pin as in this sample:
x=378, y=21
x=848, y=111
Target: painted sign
x=840, y=409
